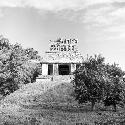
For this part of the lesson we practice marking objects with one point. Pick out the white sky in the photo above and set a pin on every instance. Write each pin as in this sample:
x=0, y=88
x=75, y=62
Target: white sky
x=99, y=25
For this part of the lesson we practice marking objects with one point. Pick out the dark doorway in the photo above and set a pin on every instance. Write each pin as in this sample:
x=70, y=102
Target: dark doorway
x=64, y=69
x=50, y=69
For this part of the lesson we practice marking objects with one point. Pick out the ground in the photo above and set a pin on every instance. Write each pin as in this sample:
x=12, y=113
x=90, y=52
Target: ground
x=51, y=103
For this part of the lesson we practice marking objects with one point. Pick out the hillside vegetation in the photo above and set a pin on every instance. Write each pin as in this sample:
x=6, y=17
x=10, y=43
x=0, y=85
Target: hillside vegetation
x=33, y=94
x=16, y=69
x=51, y=103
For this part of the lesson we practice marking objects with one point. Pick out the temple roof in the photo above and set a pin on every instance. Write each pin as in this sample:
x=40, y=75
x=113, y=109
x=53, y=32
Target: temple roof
x=63, y=51
x=62, y=57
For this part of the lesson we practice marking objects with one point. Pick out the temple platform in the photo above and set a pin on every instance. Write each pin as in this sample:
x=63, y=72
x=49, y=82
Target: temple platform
x=63, y=78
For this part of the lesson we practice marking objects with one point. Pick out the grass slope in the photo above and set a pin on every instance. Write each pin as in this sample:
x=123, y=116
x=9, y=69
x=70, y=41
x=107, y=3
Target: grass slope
x=51, y=103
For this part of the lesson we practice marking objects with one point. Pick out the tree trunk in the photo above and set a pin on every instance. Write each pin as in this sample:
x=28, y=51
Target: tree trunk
x=114, y=107
x=93, y=104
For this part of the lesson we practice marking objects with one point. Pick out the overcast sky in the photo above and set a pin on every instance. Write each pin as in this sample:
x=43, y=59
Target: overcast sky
x=99, y=25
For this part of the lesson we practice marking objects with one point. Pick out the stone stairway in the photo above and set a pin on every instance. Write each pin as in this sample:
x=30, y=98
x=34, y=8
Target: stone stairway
x=64, y=78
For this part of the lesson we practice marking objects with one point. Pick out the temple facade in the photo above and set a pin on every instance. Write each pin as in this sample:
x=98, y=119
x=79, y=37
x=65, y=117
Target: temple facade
x=62, y=58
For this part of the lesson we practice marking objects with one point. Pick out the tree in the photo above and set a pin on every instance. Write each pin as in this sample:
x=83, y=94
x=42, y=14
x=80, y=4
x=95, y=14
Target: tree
x=28, y=72
x=15, y=69
x=115, y=88
x=31, y=53
x=88, y=81
x=95, y=81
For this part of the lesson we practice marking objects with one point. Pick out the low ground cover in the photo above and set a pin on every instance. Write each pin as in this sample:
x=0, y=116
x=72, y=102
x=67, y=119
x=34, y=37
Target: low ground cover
x=51, y=103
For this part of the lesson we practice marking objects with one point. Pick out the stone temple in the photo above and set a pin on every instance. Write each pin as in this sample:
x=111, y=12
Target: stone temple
x=61, y=59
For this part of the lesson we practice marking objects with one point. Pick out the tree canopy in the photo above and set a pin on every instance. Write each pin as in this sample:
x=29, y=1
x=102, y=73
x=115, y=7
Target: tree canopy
x=15, y=69
x=96, y=81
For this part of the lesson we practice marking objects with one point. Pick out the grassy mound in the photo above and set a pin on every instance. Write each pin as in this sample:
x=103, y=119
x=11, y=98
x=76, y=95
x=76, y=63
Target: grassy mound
x=28, y=92
x=41, y=93
x=61, y=93
x=44, y=103
x=32, y=94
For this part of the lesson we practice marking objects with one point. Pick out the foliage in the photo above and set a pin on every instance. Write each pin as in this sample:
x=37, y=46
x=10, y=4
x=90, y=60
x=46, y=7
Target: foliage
x=96, y=81
x=115, y=89
x=15, y=69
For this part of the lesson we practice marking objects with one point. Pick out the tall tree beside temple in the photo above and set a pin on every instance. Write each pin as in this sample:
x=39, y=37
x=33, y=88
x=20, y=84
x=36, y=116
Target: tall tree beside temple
x=95, y=81
x=15, y=69
x=115, y=86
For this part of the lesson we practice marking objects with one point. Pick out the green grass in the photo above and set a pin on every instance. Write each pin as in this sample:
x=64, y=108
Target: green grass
x=51, y=103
